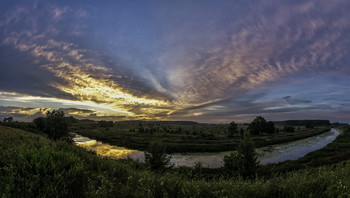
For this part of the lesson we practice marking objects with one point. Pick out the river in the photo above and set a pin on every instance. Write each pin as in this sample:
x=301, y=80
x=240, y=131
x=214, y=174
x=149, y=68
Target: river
x=270, y=154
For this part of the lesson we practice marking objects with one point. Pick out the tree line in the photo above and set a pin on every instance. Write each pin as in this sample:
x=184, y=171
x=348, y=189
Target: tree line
x=55, y=125
x=257, y=127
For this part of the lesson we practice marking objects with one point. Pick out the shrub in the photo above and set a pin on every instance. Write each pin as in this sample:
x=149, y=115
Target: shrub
x=230, y=163
x=244, y=161
x=288, y=129
x=44, y=171
x=156, y=157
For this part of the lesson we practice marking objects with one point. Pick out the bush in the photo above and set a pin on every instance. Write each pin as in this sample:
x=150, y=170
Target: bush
x=156, y=157
x=244, y=161
x=43, y=171
x=230, y=164
x=103, y=123
x=288, y=129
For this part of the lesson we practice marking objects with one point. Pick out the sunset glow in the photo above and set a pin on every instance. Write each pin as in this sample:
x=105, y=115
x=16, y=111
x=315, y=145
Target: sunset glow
x=207, y=62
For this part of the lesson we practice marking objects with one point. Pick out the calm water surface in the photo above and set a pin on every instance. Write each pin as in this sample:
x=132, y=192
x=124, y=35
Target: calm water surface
x=271, y=154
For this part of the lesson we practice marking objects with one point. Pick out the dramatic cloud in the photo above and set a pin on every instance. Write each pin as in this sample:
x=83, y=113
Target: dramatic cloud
x=206, y=61
x=21, y=113
x=272, y=41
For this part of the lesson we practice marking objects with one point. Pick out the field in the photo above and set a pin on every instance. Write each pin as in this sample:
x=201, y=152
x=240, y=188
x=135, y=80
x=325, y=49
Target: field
x=184, y=136
x=33, y=166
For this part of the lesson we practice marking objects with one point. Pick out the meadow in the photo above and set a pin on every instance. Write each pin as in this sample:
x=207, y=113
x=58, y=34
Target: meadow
x=185, y=136
x=33, y=166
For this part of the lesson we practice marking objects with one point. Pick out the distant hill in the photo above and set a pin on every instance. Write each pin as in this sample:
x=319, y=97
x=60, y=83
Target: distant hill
x=303, y=122
x=158, y=122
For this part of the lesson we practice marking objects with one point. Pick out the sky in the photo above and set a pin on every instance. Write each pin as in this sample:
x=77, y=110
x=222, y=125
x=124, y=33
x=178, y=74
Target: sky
x=206, y=61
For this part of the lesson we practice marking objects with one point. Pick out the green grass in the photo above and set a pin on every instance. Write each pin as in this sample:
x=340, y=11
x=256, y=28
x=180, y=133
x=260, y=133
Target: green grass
x=185, y=138
x=33, y=166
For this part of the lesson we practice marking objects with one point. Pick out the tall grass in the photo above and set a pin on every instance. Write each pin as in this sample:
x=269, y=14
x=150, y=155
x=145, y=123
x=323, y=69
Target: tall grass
x=33, y=166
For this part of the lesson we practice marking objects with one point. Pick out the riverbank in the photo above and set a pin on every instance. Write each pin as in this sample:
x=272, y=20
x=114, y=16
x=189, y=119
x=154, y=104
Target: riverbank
x=26, y=160
x=272, y=154
x=206, y=138
x=335, y=152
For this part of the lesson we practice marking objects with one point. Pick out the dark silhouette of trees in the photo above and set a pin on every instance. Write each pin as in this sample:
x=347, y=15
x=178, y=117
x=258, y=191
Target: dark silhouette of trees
x=257, y=126
x=304, y=122
x=308, y=125
x=71, y=119
x=40, y=123
x=232, y=129
x=8, y=120
x=56, y=125
x=270, y=127
x=242, y=132
x=156, y=157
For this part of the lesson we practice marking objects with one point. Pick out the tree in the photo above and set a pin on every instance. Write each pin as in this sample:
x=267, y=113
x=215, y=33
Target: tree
x=244, y=161
x=242, y=132
x=9, y=119
x=231, y=163
x=232, y=129
x=40, y=123
x=270, y=127
x=56, y=124
x=156, y=157
x=308, y=125
x=258, y=126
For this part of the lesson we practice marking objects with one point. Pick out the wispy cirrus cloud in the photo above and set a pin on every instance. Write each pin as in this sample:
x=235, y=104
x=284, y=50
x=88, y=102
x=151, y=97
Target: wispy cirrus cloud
x=167, y=62
x=294, y=101
x=262, y=48
x=12, y=110
x=79, y=78
x=21, y=113
x=87, y=82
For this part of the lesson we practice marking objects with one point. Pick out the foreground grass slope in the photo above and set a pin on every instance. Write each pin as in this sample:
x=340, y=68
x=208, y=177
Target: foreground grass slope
x=33, y=166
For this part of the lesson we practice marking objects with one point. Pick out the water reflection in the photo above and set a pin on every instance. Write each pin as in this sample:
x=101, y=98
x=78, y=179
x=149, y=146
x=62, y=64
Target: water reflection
x=107, y=150
x=296, y=149
x=271, y=154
